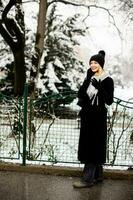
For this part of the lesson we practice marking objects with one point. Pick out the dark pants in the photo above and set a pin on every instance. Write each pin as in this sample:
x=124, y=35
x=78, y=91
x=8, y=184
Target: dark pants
x=99, y=173
x=92, y=173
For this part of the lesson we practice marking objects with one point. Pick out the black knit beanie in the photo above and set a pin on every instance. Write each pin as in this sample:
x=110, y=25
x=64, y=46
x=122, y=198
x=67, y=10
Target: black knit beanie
x=99, y=58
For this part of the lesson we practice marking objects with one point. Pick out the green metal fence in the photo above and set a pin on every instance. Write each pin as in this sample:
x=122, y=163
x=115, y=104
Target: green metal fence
x=47, y=130
x=120, y=133
x=11, y=127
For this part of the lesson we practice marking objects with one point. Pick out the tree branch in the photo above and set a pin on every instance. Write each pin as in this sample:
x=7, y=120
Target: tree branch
x=12, y=33
x=89, y=6
x=5, y=34
x=7, y=8
x=66, y=2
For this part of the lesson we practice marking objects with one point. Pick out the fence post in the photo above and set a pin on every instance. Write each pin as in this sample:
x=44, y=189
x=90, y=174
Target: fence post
x=25, y=123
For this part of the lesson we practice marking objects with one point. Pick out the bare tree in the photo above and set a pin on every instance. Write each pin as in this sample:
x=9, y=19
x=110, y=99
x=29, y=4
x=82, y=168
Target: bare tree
x=39, y=43
x=40, y=34
x=13, y=34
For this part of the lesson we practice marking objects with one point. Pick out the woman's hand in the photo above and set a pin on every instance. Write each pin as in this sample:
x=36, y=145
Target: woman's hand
x=90, y=73
x=96, y=83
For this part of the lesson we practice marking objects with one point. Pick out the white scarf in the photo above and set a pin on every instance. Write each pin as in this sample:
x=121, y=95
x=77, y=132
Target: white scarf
x=92, y=91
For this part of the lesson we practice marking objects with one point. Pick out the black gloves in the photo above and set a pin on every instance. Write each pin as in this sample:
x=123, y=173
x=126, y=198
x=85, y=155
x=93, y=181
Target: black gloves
x=95, y=83
x=106, y=95
x=90, y=73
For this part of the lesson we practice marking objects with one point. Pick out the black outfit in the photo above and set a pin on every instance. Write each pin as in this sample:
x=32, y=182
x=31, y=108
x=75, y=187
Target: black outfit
x=93, y=131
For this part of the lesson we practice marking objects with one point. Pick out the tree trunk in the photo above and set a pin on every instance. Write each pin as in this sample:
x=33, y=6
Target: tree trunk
x=41, y=26
x=39, y=44
x=19, y=72
x=14, y=34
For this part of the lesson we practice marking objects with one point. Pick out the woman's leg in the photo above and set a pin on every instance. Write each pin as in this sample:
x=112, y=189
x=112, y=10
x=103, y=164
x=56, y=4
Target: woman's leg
x=89, y=173
x=87, y=179
x=99, y=173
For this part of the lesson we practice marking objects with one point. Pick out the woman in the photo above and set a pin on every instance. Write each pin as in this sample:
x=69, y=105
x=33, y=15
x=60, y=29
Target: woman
x=96, y=91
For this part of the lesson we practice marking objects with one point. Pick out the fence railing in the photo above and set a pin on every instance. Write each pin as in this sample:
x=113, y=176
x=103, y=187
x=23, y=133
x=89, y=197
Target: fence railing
x=120, y=133
x=47, y=130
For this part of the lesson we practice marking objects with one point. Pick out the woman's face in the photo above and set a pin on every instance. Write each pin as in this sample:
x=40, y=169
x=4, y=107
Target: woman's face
x=95, y=67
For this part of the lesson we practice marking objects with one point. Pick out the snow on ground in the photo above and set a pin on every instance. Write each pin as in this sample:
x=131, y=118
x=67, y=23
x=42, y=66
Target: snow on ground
x=125, y=93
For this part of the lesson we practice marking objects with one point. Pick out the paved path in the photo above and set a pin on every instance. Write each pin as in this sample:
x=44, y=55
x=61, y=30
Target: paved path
x=25, y=186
